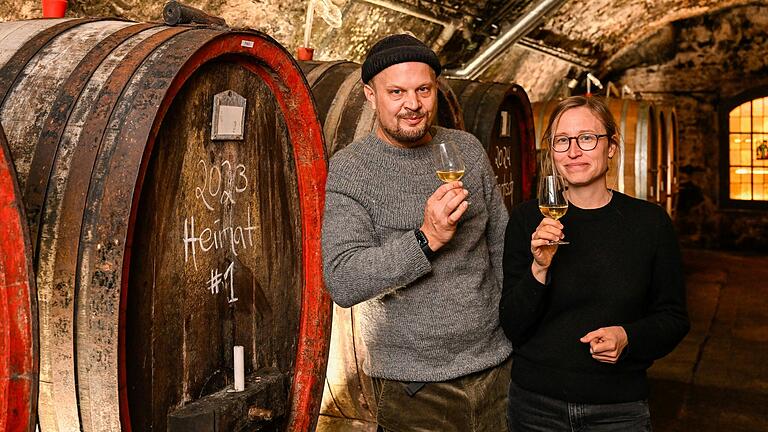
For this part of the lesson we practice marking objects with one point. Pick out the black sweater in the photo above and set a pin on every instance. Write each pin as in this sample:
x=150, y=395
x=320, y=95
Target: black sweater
x=622, y=267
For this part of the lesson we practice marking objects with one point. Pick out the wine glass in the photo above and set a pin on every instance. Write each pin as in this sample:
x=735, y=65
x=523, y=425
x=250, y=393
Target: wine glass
x=448, y=162
x=552, y=202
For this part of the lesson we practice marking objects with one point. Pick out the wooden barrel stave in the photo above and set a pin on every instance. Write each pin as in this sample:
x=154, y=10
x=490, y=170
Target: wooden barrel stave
x=37, y=84
x=349, y=107
x=346, y=116
x=674, y=170
x=60, y=239
x=339, y=91
x=449, y=113
x=50, y=136
x=326, y=77
x=349, y=390
x=667, y=167
x=43, y=33
x=65, y=203
x=14, y=34
x=18, y=313
x=102, y=250
x=104, y=268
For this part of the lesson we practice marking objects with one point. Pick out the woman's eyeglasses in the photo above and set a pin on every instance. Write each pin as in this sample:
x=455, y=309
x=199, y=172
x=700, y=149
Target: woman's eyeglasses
x=585, y=141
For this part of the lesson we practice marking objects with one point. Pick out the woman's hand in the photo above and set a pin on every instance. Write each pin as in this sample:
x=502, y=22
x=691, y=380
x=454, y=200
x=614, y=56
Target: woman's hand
x=549, y=230
x=607, y=343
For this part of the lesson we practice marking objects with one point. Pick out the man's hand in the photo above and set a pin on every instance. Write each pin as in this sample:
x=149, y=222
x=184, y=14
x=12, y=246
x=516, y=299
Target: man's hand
x=442, y=213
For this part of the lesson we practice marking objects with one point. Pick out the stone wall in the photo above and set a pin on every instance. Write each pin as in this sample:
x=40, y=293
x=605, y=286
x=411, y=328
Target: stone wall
x=363, y=23
x=716, y=57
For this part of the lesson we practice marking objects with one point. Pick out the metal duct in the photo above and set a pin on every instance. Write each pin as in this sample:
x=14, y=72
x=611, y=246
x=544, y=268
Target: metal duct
x=520, y=28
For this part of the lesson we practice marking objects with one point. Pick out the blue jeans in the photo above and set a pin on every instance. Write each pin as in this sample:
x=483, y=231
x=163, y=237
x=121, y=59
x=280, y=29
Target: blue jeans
x=532, y=412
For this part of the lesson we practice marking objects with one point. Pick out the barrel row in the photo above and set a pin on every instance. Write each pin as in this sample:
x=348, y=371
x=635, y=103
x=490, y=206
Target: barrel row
x=172, y=183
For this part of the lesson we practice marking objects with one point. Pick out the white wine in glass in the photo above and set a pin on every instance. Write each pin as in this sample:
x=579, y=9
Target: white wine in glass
x=450, y=176
x=448, y=162
x=552, y=202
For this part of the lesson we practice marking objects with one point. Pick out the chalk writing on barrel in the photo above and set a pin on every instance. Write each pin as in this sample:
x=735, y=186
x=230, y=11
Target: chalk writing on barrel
x=502, y=158
x=218, y=189
x=220, y=182
x=223, y=234
x=223, y=280
x=506, y=185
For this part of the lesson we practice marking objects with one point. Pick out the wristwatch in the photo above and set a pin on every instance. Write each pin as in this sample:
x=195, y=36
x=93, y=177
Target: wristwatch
x=424, y=244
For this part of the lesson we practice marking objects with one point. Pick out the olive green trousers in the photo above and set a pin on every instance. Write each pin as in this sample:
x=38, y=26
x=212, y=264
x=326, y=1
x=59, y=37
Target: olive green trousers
x=473, y=403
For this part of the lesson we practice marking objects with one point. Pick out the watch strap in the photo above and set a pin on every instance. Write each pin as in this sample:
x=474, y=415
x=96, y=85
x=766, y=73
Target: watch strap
x=424, y=244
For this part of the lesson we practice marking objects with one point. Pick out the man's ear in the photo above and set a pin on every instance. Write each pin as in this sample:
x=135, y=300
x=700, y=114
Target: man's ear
x=370, y=94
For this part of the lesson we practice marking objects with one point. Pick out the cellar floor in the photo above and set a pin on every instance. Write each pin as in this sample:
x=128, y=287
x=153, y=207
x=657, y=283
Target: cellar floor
x=717, y=378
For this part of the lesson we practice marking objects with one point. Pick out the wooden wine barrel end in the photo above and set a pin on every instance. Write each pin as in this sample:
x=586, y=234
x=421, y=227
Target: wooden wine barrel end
x=500, y=116
x=346, y=115
x=18, y=313
x=449, y=112
x=349, y=391
x=628, y=172
x=179, y=172
x=666, y=181
x=674, y=162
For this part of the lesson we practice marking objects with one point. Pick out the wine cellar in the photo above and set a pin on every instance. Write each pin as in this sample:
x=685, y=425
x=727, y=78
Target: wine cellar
x=163, y=171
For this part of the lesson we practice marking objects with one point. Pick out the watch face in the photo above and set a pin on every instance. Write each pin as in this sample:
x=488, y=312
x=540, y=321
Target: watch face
x=421, y=238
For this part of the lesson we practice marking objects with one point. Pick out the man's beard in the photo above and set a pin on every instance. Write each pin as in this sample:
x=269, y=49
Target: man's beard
x=409, y=136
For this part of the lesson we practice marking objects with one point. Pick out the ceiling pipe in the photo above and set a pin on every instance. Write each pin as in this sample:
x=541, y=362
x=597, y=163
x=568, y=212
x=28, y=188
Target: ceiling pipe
x=555, y=52
x=449, y=27
x=520, y=28
x=591, y=79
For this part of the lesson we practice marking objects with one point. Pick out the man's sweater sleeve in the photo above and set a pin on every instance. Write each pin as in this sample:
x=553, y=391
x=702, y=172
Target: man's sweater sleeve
x=522, y=297
x=356, y=266
x=666, y=321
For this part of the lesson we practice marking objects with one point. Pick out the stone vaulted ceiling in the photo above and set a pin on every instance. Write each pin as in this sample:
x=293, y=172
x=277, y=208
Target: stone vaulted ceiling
x=601, y=36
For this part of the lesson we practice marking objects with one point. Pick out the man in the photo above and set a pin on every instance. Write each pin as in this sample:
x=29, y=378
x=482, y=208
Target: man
x=423, y=263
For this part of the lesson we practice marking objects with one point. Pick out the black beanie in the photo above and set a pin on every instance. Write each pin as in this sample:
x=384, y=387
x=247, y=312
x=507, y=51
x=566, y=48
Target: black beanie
x=395, y=49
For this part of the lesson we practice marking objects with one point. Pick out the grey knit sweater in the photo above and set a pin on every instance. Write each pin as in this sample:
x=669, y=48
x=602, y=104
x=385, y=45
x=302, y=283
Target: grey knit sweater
x=421, y=320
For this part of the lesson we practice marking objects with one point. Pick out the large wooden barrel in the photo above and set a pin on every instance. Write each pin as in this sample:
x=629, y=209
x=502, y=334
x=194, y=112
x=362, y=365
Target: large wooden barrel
x=500, y=116
x=635, y=170
x=344, y=111
x=18, y=307
x=667, y=172
x=346, y=116
x=173, y=179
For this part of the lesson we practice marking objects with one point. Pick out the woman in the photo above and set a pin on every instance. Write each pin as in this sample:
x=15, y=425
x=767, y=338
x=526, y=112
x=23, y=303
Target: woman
x=588, y=318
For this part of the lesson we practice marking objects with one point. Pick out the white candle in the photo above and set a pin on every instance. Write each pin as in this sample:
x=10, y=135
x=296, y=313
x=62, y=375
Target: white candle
x=239, y=368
